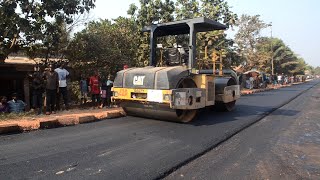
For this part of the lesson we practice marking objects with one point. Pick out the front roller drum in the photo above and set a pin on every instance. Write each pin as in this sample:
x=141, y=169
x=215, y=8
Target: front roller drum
x=158, y=111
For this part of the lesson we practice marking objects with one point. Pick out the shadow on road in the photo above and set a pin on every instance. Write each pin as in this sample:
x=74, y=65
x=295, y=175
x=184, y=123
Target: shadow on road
x=242, y=112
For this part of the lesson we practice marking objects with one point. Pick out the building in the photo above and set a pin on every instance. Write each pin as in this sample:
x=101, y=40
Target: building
x=14, y=77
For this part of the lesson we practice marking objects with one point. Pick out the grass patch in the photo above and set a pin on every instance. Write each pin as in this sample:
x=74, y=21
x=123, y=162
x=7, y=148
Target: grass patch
x=11, y=116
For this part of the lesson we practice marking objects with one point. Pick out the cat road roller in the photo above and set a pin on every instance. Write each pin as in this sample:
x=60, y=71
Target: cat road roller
x=179, y=83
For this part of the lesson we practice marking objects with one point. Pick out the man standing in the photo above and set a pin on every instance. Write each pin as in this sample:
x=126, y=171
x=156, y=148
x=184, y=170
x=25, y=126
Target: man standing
x=52, y=85
x=37, y=92
x=62, y=73
x=109, y=92
x=95, y=89
x=16, y=105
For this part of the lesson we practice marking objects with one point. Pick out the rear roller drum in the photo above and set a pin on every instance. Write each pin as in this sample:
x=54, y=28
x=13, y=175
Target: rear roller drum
x=226, y=107
x=186, y=115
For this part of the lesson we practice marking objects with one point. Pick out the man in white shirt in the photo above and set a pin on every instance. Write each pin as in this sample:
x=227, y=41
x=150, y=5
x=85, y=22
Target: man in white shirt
x=279, y=79
x=62, y=73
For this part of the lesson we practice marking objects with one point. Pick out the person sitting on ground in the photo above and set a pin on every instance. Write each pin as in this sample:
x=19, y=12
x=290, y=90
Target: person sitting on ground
x=4, y=108
x=16, y=105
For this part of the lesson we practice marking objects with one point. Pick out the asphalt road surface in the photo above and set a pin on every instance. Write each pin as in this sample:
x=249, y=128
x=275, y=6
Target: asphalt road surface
x=283, y=145
x=131, y=147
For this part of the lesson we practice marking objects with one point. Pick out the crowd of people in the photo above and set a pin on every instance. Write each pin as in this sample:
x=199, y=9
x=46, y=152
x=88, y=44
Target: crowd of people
x=262, y=80
x=99, y=89
x=53, y=84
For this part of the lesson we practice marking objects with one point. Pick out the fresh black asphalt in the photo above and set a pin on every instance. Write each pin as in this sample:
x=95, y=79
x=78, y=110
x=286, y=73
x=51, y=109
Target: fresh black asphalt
x=130, y=147
x=283, y=145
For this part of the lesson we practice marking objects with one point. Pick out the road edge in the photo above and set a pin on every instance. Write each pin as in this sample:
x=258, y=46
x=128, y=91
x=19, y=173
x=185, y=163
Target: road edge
x=56, y=122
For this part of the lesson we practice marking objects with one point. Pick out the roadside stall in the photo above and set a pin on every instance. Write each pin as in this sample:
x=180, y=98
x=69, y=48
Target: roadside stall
x=253, y=79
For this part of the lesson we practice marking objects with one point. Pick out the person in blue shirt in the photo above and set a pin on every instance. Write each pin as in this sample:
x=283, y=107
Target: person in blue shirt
x=16, y=105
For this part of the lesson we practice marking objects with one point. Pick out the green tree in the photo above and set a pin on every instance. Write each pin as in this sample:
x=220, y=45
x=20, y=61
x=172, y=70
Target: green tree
x=317, y=70
x=149, y=12
x=104, y=45
x=157, y=11
x=285, y=60
x=218, y=10
x=25, y=22
x=187, y=9
x=247, y=38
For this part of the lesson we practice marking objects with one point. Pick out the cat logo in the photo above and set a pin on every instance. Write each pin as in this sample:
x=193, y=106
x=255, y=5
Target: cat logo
x=138, y=80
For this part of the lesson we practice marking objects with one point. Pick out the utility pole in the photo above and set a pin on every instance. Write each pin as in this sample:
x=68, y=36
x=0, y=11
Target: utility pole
x=272, y=65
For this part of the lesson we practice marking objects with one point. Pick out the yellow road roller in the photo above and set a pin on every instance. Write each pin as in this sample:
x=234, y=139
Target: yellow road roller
x=183, y=83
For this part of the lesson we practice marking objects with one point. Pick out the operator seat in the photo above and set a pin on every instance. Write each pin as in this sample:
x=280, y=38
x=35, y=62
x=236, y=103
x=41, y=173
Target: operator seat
x=172, y=56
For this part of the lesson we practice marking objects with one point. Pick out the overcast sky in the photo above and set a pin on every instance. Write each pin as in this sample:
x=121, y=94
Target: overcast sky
x=295, y=22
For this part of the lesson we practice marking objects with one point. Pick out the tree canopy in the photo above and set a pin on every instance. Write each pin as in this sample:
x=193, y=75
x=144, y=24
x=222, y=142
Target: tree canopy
x=40, y=28
x=119, y=41
x=258, y=51
x=104, y=45
x=25, y=22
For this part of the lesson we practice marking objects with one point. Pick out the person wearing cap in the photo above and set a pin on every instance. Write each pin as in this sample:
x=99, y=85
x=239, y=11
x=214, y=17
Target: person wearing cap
x=16, y=105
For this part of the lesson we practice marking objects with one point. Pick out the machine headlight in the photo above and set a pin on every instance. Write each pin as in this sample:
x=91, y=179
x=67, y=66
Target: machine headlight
x=167, y=97
x=115, y=94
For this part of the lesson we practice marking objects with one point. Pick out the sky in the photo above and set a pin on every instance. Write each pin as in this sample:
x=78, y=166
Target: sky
x=295, y=22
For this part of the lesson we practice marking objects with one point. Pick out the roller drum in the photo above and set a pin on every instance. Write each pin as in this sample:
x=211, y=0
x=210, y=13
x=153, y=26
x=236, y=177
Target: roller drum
x=157, y=111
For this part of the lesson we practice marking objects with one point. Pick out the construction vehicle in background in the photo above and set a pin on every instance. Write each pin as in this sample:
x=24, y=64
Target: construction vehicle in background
x=183, y=84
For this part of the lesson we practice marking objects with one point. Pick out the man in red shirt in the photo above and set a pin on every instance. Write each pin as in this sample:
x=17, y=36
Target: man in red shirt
x=95, y=89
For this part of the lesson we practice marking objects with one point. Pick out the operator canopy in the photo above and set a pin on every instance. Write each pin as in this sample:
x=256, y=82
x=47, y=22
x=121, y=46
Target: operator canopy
x=200, y=24
x=188, y=26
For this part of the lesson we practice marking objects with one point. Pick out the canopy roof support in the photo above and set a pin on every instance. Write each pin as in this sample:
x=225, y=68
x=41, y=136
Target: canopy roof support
x=189, y=26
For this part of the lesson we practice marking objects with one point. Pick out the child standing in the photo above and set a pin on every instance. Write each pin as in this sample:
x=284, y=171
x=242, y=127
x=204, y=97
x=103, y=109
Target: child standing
x=83, y=90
